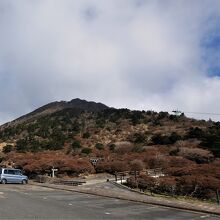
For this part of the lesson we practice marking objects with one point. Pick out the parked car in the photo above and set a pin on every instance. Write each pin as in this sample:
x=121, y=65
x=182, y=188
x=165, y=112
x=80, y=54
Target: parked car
x=10, y=175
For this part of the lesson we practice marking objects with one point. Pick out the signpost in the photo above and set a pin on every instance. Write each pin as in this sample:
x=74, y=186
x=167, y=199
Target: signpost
x=53, y=171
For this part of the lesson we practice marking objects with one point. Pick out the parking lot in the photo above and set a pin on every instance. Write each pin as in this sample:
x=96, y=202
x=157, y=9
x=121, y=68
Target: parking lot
x=35, y=202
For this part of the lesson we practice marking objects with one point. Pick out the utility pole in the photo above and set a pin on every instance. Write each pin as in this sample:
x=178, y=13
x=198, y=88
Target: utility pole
x=217, y=195
x=116, y=176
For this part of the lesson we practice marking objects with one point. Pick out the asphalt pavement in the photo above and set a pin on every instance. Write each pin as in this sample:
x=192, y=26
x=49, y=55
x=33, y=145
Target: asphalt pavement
x=35, y=202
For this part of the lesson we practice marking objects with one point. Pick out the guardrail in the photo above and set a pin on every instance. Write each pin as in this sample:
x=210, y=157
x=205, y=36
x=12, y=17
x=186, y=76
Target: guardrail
x=69, y=182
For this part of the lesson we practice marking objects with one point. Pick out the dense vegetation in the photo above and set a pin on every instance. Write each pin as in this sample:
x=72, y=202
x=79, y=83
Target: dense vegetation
x=187, y=151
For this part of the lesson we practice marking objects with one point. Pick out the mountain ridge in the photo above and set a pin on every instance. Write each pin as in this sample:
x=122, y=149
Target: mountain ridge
x=56, y=106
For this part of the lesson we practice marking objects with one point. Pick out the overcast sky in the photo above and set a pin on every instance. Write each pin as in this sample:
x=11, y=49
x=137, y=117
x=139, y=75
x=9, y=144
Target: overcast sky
x=141, y=54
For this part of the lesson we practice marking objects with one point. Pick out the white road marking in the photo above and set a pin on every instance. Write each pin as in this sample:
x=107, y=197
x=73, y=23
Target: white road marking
x=45, y=198
x=204, y=216
x=70, y=204
x=1, y=195
x=151, y=207
x=107, y=213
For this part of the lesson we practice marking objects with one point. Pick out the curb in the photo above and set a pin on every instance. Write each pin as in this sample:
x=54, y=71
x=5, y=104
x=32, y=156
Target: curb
x=132, y=200
x=125, y=187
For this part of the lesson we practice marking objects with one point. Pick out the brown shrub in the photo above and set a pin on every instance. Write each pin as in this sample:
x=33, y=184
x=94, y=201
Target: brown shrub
x=123, y=147
x=112, y=166
x=196, y=154
x=137, y=165
x=42, y=162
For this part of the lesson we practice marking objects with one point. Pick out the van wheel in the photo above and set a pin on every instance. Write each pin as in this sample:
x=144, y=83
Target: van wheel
x=24, y=181
x=4, y=181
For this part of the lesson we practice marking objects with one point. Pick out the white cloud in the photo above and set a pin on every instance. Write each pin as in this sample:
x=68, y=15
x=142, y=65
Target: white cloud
x=128, y=53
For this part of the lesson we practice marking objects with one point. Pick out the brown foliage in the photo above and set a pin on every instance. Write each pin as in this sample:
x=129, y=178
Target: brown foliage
x=136, y=165
x=146, y=182
x=42, y=162
x=112, y=166
x=178, y=161
x=123, y=147
x=196, y=154
x=167, y=184
x=197, y=185
x=156, y=161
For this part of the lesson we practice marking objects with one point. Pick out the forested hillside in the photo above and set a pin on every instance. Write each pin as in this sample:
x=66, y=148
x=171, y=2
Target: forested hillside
x=186, y=150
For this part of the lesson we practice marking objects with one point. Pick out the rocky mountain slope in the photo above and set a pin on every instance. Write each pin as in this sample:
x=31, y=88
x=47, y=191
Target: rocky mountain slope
x=55, y=107
x=60, y=125
x=69, y=135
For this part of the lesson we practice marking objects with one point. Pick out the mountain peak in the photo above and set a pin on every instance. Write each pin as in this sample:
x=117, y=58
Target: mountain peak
x=59, y=106
x=86, y=105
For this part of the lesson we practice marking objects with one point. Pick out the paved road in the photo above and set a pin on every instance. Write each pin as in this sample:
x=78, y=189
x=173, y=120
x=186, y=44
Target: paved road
x=33, y=202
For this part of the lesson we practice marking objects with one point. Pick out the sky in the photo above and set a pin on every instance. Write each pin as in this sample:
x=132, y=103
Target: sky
x=157, y=55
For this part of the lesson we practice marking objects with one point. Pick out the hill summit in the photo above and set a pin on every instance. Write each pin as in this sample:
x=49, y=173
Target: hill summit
x=58, y=106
